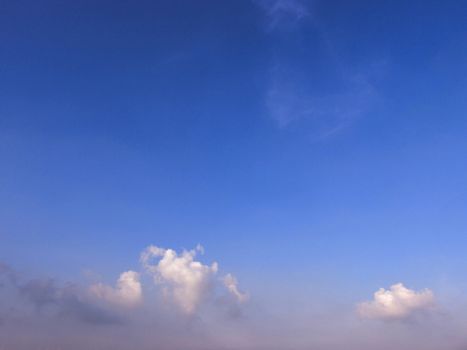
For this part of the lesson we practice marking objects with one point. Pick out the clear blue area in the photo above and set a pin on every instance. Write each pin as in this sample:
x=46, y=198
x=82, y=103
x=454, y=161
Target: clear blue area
x=126, y=123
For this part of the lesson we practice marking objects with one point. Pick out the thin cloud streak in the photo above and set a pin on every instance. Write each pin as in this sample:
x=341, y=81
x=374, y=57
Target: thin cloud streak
x=282, y=14
x=290, y=103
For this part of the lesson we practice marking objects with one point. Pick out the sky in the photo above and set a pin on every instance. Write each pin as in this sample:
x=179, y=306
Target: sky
x=233, y=175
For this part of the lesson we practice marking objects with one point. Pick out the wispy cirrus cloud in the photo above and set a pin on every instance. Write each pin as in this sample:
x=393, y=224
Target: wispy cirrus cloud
x=289, y=102
x=294, y=95
x=283, y=13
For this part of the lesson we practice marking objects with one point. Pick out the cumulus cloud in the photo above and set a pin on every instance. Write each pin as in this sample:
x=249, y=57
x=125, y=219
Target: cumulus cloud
x=187, y=281
x=396, y=303
x=231, y=283
x=127, y=291
x=184, y=280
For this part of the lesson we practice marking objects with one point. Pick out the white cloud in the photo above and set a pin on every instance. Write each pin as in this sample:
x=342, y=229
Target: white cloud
x=127, y=291
x=289, y=101
x=231, y=283
x=186, y=281
x=292, y=97
x=283, y=13
x=398, y=302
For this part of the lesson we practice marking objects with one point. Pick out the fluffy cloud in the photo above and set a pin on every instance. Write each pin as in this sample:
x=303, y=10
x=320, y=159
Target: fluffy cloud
x=126, y=293
x=186, y=281
x=398, y=302
x=231, y=283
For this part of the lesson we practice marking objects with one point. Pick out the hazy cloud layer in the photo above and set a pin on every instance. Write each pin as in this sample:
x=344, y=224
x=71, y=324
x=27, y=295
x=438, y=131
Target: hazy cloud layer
x=186, y=308
x=396, y=303
x=39, y=313
x=184, y=282
x=68, y=301
x=190, y=304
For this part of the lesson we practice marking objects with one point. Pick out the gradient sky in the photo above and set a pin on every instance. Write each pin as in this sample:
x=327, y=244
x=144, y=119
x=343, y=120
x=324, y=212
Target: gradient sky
x=317, y=150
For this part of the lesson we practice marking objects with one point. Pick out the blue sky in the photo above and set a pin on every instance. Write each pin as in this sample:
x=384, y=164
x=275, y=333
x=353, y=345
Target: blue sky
x=315, y=149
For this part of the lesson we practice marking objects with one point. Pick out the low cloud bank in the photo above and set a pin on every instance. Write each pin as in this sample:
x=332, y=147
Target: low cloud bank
x=175, y=300
x=184, y=282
